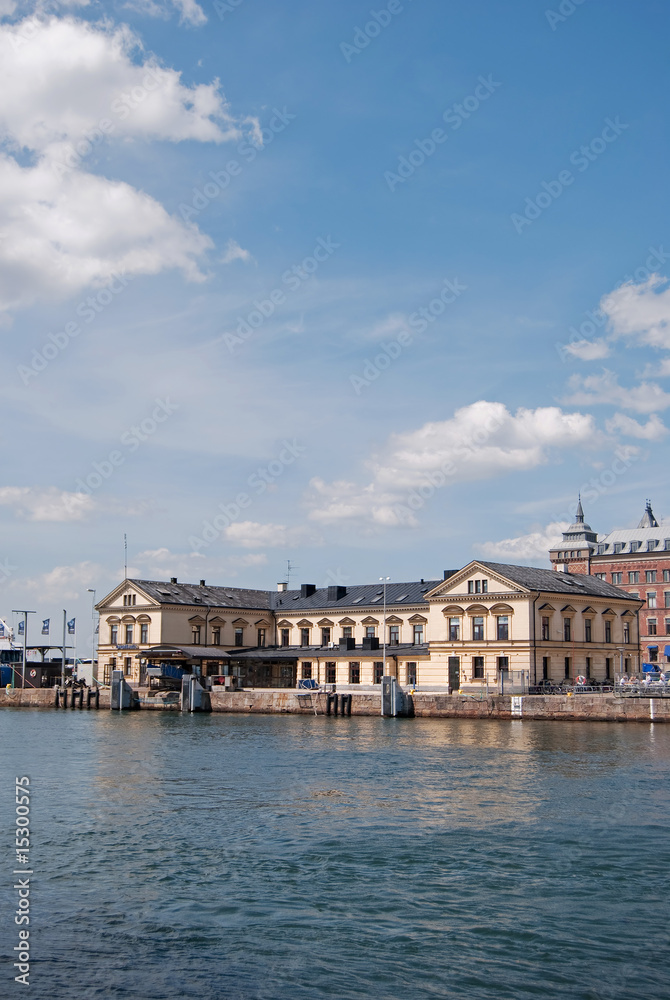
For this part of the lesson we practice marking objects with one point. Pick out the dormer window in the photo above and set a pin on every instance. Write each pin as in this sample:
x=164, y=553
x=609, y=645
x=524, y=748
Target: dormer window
x=478, y=586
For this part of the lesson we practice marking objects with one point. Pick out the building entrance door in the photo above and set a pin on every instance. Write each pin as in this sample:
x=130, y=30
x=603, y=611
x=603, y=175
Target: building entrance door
x=454, y=673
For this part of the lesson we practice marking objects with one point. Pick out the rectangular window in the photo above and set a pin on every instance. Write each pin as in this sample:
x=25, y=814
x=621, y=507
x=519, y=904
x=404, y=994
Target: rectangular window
x=667, y=626
x=608, y=631
x=239, y=636
x=600, y=576
x=285, y=636
x=567, y=666
x=485, y=586
x=651, y=598
x=618, y=547
x=216, y=636
x=127, y=666
x=567, y=629
x=354, y=673
x=325, y=636
x=417, y=633
x=588, y=668
x=651, y=626
x=411, y=673
x=617, y=578
x=477, y=629
x=346, y=632
x=113, y=635
x=144, y=632
x=503, y=627
x=261, y=637
x=503, y=663
x=370, y=631
x=587, y=630
x=478, y=668
x=304, y=637
x=650, y=576
x=626, y=632
x=653, y=656
x=394, y=635
x=331, y=673
x=666, y=598
x=545, y=668
x=129, y=634
x=306, y=671
x=377, y=671
x=454, y=629
x=196, y=635
x=666, y=574
x=634, y=577
x=545, y=628
x=608, y=667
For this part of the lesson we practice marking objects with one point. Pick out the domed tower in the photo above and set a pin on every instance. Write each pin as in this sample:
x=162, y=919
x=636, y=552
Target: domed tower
x=579, y=543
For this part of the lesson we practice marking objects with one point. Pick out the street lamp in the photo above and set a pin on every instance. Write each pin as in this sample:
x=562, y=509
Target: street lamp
x=384, y=580
x=93, y=670
x=25, y=645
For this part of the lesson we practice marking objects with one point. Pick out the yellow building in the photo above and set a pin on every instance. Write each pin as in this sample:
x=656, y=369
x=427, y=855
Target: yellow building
x=481, y=625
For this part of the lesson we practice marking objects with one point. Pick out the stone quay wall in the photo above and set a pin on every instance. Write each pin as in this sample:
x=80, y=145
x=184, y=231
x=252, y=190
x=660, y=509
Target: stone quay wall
x=427, y=705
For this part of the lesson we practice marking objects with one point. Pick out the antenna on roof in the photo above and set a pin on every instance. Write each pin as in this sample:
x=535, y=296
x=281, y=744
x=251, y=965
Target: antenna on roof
x=125, y=557
x=289, y=569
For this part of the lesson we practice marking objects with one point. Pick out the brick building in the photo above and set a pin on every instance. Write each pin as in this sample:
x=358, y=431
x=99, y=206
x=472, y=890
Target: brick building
x=635, y=559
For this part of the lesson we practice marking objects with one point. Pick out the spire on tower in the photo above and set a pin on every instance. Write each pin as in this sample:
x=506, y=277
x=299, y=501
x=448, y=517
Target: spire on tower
x=579, y=517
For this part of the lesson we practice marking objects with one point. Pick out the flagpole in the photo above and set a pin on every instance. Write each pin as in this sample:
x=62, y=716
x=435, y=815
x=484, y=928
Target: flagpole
x=62, y=672
x=25, y=646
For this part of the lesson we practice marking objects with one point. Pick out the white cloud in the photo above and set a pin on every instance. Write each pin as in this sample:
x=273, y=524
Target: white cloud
x=191, y=12
x=641, y=312
x=64, y=582
x=588, y=350
x=534, y=545
x=252, y=535
x=62, y=236
x=646, y=397
x=233, y=251
x=653, y=430
x=46, y=503
x=60, y=77
x=189, y=567
x=66, y=85
x=481, y=441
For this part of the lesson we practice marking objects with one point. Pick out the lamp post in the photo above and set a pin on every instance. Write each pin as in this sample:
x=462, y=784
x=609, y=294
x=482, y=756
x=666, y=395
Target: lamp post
x=25, y=645
x=94, y=673
x=384, y=580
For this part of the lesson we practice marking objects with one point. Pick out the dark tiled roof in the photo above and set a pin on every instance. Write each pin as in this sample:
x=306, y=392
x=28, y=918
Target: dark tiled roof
x=551, y=581
x=213, y=597
x=368, y=596
x=194, y=652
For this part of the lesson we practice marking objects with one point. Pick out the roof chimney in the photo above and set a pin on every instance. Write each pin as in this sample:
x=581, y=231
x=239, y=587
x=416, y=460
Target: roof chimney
x=307, y=589
x=282, y=587
x=173, y=579
x=202, y=583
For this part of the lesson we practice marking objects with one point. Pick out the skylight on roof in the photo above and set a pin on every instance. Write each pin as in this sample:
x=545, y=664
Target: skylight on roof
x=402, y=597
x=376, y=600
x=357, y=600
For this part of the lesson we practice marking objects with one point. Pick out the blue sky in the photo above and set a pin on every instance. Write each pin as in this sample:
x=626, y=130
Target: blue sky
x=190, y=168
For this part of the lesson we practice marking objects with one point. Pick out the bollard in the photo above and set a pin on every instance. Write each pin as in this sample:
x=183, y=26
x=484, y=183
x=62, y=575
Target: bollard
x=329, y=703
x=97, y=697
x=57, y=699
x=74, y=698
x=88, y=698
x=81, y=697
x=336, y=703
x=348, y=697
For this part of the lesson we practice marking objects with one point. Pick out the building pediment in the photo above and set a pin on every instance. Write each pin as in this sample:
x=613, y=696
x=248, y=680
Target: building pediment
x=608, y=611
x=370, y=621
x=263, y=623
x=502, y=609
x=216, y=620
x=417, y=620
x=346, y=621
x=477, y=609
x=195, y=620
x=547, y=607
x=393, y=620
x=303, y=623
x=568, y=608
x=240, y=621
x=326, y=623
x=457, y=583
x=284, y=623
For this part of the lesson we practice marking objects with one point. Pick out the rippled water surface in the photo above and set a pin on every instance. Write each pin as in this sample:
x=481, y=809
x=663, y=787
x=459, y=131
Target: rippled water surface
x=299, y=857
